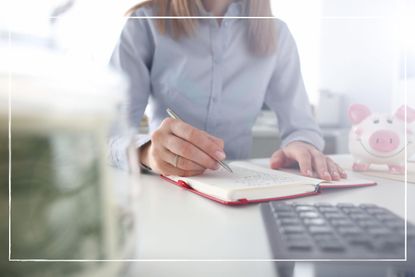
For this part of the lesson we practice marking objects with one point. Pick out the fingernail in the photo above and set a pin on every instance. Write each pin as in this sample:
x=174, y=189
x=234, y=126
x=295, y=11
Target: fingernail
x=336, y=175
x=220, y=155
x=309, y=173
x=344, y=174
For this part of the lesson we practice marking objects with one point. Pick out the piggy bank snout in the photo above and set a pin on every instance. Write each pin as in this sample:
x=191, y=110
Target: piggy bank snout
x=384, y=141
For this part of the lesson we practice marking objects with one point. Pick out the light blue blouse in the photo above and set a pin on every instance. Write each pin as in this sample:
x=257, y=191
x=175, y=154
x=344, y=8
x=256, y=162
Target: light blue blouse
x=212, y=81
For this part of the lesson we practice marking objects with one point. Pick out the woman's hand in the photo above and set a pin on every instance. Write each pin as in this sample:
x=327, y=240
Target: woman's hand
x=177, y=148
x=308, y=159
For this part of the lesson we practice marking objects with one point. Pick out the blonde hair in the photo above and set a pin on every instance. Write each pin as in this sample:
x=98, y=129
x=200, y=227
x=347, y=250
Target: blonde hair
x=261, y=33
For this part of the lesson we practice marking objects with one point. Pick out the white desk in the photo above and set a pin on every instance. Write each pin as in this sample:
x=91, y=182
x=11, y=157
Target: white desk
x=176, y=224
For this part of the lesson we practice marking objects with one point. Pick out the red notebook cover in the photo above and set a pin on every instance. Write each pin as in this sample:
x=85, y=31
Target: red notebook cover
x=244, y=201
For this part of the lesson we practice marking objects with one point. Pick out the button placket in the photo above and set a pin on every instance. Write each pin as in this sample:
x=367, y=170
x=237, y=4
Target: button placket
x=216, y=78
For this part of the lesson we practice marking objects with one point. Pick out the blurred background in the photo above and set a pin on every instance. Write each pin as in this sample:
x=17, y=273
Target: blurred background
x=352, y=51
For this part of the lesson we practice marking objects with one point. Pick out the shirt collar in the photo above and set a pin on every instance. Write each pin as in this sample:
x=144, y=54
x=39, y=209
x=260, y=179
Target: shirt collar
x=236, y=8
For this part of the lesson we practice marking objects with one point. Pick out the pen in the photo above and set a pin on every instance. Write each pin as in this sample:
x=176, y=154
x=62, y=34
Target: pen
x=172, y=114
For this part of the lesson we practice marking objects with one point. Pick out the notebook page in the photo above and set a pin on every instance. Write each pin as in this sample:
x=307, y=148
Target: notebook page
x=249, y=181
x=246, y=176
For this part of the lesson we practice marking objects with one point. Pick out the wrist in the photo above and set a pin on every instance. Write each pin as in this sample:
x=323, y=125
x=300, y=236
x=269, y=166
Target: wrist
x=143, y=154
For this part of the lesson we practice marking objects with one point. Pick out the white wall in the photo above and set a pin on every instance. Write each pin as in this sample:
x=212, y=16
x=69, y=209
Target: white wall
x=360, y=51
x=360, y=58
x=303, y=20
x=352, y=47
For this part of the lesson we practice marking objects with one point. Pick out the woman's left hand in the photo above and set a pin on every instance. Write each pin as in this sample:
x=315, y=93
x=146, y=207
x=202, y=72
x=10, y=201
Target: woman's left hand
x=308, y=159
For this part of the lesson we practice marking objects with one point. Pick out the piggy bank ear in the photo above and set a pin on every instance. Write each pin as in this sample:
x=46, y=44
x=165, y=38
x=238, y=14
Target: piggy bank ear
x=358, y=112
x=410, y=114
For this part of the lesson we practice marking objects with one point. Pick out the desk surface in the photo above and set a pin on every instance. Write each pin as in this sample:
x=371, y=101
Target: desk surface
x=176, y=224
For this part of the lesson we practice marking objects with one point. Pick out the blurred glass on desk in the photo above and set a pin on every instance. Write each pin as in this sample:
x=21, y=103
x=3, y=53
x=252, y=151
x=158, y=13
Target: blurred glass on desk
x=66, y=201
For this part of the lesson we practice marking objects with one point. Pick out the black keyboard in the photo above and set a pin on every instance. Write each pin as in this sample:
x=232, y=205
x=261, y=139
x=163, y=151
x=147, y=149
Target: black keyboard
x=342, y=231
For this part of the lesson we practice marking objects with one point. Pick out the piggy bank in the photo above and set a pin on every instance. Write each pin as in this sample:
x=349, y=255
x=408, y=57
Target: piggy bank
x=380, y=138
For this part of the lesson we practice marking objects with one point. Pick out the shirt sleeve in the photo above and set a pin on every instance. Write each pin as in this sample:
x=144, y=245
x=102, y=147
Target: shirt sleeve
x=133, y=56
x=287, y=97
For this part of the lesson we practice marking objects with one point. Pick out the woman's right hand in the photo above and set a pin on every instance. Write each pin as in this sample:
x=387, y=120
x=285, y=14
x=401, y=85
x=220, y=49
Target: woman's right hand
x=177, y=148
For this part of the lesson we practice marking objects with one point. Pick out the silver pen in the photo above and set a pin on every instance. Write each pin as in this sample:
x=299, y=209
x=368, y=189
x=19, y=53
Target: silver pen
x=172, y=114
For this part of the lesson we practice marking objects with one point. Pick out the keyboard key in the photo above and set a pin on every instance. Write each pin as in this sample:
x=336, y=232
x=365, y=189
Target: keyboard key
x=299, y=245
x=361, y=240
x=349, y=210
x=394, y=240
x=325, y=209
x=385, y=216
x=349, y=231
x=320, y=230
x=389, y=243
x=293, y=229
x=308, y=215
x=359, y=216
x=369, y=223
x=377, y=232
x=297, y=237
x=301, y=208
x=289, y=221
x=285, y=215
x=394, y=224
x=334, y=215
x=318, y=237
x=330, y=245
x=376, y=210
x=281, y=208
x=341, y=222
x=314, y=221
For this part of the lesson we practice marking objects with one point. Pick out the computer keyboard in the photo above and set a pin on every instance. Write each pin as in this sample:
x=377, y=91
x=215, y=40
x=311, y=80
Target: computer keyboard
x=342, y=231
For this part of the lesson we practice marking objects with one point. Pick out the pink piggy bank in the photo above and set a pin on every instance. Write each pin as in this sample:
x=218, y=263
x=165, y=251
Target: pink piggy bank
x=380, y=138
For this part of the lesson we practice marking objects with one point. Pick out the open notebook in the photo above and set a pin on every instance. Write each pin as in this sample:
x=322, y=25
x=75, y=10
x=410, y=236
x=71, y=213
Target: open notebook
x=250, y=183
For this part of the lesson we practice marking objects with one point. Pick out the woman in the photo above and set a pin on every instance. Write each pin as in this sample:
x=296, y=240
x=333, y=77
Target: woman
x=216, y=73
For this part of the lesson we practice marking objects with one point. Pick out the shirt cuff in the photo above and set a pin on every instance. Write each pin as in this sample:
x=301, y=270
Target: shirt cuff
x=310, y=137
x=118, y=149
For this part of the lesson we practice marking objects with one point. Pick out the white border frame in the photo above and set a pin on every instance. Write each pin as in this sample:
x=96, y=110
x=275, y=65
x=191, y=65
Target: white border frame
x=216, y=260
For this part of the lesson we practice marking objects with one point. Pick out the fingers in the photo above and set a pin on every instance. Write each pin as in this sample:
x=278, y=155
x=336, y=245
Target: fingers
x=167, y=169
x=187, y=150
x=180, y=162
x=326, y=168
x=320, y=165
x=196, y=150
x=309, y=159
x=333, y=169
x=343, y=173
x=216, y=140
x=305, y=163
x=198, y=138
x=303, y=157
x=277, y=159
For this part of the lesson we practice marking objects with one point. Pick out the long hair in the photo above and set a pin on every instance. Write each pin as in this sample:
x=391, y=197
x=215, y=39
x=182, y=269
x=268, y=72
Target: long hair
x=261, y=33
